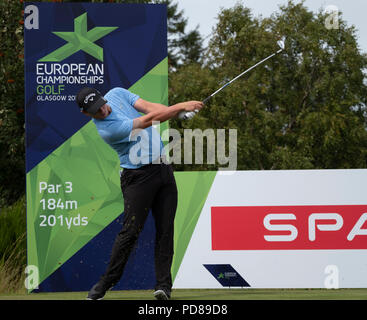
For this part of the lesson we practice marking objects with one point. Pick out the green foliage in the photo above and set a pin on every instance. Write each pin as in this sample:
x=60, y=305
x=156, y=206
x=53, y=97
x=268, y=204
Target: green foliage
x=13, y=246
x=12, y=179
x=12, y=231
x=303, y=109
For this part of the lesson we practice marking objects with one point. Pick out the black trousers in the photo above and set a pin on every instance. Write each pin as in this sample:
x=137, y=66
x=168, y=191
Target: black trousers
x=150, y=187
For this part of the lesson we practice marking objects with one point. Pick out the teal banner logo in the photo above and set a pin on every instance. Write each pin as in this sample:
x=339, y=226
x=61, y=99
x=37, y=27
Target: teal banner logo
x=80, y=39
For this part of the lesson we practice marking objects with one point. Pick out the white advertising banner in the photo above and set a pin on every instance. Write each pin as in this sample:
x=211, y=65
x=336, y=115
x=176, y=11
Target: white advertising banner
x=280, y=229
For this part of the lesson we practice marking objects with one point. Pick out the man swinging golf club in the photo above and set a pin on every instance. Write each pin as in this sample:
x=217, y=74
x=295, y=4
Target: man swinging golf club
x=146, y=184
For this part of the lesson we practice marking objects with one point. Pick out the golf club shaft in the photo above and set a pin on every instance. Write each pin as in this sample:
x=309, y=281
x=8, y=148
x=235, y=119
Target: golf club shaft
x=240, y=75
x=189, y=115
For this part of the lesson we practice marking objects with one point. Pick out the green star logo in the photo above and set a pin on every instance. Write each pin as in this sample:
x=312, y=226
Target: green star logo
x=220, y=276
x=80, y=39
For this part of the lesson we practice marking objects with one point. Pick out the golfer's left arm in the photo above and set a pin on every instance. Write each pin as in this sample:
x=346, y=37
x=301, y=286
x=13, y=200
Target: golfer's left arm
x=147, y=107
x=162, y=114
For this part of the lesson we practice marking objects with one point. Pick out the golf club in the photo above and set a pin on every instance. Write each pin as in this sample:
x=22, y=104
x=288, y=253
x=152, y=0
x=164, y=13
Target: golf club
x=188, y=115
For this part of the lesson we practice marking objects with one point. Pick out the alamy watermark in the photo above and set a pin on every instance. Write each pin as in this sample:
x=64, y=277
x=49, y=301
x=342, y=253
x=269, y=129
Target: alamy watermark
x=332, y=17
x=331, y=280
x=219, y=145
x=32, y=279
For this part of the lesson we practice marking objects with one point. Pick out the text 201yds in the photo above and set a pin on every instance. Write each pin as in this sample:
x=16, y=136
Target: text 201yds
x=57, y=211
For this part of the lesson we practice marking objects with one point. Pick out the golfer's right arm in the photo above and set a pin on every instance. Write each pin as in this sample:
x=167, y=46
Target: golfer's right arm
x=164, y=114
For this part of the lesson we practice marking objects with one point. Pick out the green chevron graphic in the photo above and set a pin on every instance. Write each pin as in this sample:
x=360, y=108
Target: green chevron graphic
x=75, y=193
x=193, y=189
x=153, y=87
x=80, y=39
x=61, y=220
x=82, y=196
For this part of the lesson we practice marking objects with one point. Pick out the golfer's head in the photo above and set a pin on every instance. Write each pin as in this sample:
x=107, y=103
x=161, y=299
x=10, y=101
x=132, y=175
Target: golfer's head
x=91, y=101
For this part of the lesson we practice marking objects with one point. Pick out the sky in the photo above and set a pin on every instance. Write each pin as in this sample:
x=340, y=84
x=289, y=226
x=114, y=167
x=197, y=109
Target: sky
x=205, y=12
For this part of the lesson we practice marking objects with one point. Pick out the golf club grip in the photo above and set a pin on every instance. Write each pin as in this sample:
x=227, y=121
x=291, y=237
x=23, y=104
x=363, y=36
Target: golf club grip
x=186, y=116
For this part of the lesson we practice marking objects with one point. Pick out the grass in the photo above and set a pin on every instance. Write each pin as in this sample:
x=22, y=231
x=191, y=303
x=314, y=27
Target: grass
x=13, y=247
x=208, y=294
x=12, y=274
x=12, y=225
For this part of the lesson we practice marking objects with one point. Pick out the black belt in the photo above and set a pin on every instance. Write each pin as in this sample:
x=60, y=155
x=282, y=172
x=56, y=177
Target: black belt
x=162, y=160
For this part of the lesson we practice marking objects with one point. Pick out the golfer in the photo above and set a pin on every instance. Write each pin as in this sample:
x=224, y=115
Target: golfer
x=146, y=181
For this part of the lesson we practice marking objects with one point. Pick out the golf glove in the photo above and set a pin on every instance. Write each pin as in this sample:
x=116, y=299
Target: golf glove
x=184, y=115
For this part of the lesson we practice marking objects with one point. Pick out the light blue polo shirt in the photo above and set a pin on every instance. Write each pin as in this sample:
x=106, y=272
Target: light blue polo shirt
x=134, y=148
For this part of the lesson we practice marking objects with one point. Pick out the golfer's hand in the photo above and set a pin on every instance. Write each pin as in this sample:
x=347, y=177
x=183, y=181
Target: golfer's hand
x=192, y=105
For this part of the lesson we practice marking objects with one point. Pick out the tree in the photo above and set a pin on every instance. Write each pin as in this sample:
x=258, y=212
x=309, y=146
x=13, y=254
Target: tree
x=183, y=48
x=303, y=109
x=12, y=164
